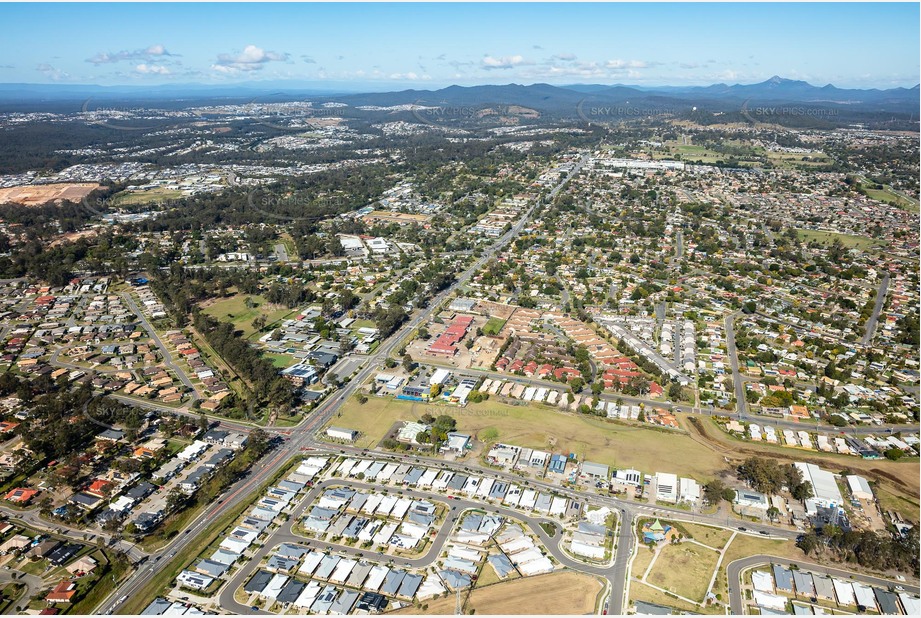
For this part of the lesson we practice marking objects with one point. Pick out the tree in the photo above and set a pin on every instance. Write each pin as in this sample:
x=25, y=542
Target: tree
x=894, y=454
x=176, y=500
x=713, y=491
x=408, y=363
x=674, y=391
x=773, y=512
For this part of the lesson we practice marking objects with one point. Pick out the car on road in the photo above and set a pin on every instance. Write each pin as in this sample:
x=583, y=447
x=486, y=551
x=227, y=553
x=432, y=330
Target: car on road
x=764, y=532
x=743, y=529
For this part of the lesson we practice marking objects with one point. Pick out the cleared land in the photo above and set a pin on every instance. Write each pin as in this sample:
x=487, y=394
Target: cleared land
x=562, y=592
x=537, y=426
x=899, y=478
x=375, y=417
x=36, y=195
x=685, y=569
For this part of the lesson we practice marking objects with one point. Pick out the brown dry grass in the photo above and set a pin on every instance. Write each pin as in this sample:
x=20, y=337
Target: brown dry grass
x=899, y=478
x=564, y=592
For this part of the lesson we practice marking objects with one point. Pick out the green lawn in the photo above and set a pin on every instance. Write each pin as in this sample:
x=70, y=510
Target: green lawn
x=233, y=309
x=493, y=326
x=847, y=240
x=589, y=437
x=685, y=569
x=281, y=361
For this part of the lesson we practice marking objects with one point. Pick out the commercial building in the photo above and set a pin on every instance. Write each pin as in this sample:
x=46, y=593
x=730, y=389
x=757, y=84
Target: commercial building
x=825, y=490
x=339, y=433
x=666, y=487
x=859, y=487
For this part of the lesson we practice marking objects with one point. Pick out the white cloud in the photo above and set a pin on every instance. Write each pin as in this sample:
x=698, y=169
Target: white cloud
x=252, y=58
x=565, y=57
x=152, y=69
x=154, y=51
x=50, y=72
x=409, y=76
x=504, y=62
x=626, y=64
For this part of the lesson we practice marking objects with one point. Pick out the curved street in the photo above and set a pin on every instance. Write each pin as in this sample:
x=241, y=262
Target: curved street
x=735, y=569
x=285, y=534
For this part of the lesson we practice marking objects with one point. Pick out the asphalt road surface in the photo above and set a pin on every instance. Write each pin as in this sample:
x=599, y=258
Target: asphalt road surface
x=734, y=572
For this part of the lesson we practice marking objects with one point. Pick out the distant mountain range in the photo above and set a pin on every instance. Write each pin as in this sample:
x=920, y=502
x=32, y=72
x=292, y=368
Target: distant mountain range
x=551, y=101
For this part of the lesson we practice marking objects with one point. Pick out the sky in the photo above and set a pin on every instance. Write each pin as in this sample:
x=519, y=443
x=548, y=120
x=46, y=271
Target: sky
x=390, y=46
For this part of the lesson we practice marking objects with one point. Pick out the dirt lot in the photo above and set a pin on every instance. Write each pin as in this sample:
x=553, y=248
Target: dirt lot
x=36, y=195
x=566, y=592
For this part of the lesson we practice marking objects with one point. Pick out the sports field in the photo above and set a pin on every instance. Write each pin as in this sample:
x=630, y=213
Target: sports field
x=150, y=196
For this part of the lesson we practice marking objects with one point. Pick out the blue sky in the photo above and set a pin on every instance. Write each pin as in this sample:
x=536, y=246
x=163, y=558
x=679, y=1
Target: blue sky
x=383, y=46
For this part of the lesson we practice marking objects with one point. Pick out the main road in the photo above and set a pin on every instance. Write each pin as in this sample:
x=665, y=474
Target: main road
x=303, y=435
x=877, y=307
x=741, y=403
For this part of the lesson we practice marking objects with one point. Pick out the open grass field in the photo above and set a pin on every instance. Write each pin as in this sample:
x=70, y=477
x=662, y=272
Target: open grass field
x=566, y=592
x=693, y=153
x=150, y=196
x=233, y=309
x=591, y=438
x=847, y=240
x=900, y=479
x=375, y=417
x=493, y=326
x=282, y=361
x=745, y=545
x=536, y=426
x=889, y=195
x=712, y=537
x=641, y=592
x=793, y=160
x=890, y=501
x=685, y=569
x=641, y=562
